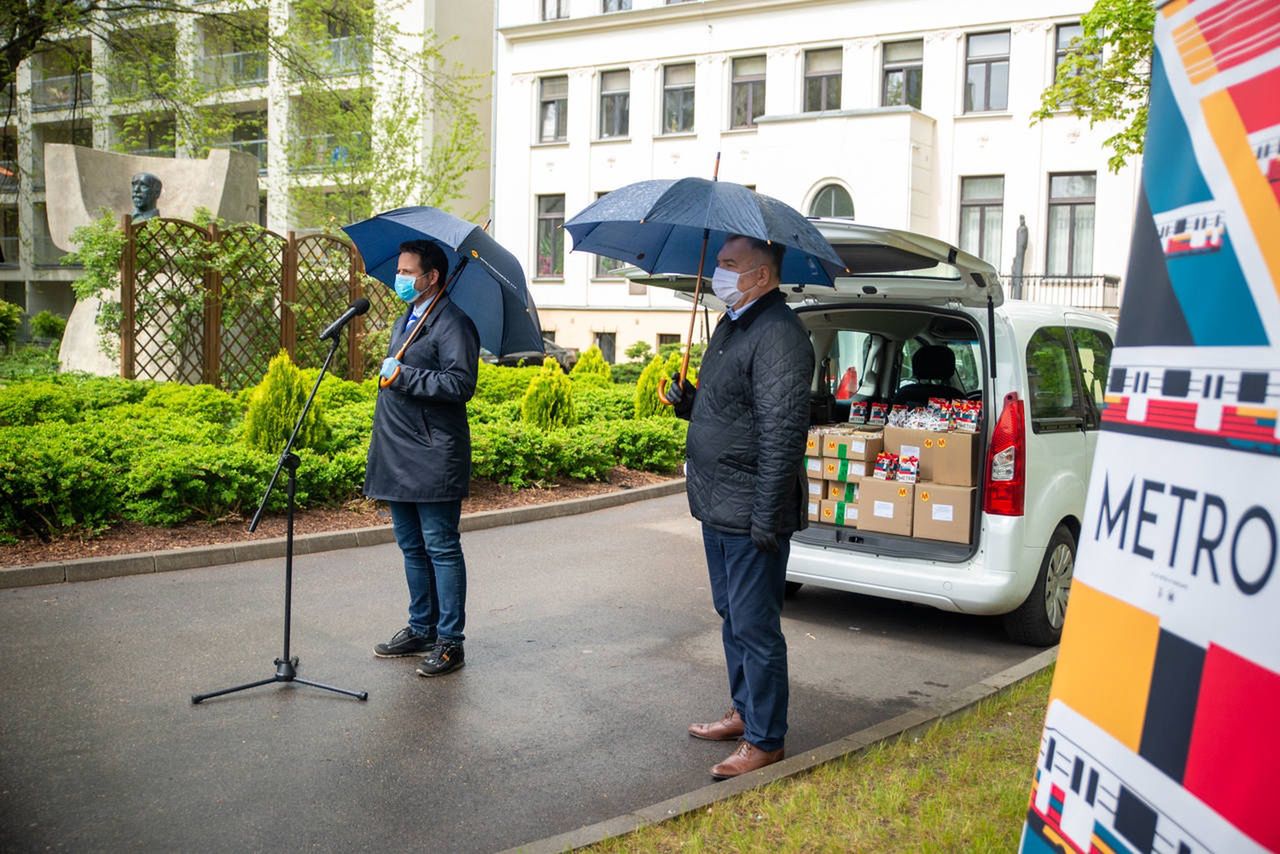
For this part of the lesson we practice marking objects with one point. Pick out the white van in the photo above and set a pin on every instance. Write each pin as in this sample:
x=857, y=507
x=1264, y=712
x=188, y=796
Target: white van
x=1040, y=372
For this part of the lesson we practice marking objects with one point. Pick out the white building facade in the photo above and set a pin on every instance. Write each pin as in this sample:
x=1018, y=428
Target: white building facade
x=911, y=114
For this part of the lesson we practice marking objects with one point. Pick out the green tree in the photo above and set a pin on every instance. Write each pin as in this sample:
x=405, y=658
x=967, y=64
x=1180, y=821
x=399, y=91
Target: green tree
x=274, y=405
x=1106, y=74
x=548, y=401
x=639, y=351
x=592, y=362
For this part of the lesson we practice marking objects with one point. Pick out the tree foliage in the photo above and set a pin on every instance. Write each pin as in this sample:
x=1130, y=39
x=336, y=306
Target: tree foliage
x=591, y=362
x=1106, y=74
x=548, y=401
x=274, y=406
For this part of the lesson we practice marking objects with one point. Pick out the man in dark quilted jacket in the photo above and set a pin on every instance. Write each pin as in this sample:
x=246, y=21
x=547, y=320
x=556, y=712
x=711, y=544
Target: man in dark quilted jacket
x=748, y=418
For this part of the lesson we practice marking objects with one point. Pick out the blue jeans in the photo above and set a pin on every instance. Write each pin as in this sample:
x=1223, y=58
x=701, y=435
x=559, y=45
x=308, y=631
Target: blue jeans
x=427, y=534
x=747, y=587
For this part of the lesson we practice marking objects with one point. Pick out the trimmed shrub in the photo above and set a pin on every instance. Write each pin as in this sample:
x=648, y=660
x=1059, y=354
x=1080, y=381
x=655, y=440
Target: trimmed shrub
x=46, y=324
x=603, y=403
x=197, y=401
x=350, y=427
x=480, y=412
x=548, y=402
x=33, y=402
x=650, y=444
x=48, y=484
x=274, y=405
x=517, y=454
x=646, y=400
x=94, y=393
x=167, y=486
x=335, y=478
x=336, y=392
x=119, y=435
x=586, y=454
x=591, y=362
x=627, y=373
x=495, y=384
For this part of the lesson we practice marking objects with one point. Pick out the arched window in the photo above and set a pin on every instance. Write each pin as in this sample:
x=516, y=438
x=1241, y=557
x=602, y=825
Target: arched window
x=832, y=200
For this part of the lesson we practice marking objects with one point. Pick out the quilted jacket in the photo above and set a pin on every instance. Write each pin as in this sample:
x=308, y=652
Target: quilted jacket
x=420, y=449
x=745, y=452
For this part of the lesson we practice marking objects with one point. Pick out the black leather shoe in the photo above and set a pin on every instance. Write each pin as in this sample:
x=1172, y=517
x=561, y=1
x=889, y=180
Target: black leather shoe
x=445, y=657
x=402, y=643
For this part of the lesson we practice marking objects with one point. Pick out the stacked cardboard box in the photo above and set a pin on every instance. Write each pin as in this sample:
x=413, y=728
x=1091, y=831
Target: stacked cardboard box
x=843, y=459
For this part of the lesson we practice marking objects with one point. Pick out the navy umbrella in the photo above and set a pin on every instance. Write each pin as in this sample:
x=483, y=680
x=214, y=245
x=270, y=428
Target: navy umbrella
x=485, y=280
x=665, y=226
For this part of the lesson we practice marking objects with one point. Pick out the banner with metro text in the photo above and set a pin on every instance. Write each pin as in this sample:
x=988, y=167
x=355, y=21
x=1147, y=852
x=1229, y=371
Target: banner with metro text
x=1163, y=727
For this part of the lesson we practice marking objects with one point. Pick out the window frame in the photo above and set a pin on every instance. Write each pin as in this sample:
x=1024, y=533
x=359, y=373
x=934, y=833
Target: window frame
x=622, y=97
x=561, y=9
x=1072, y=202
x=690, y=89
x=562, y=121
x=983, y=206
x=988, y=62
x=826, y=78
x=598, y=269
x=618, y=6
x=1076, y=421
x=748, y=81
x=832, y=185
x=888, y=66
x=1093, y=406
x=557, y=237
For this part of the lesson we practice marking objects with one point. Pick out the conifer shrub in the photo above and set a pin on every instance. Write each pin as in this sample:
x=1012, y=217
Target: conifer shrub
x=496, y=384
x=609, y=402
x=274, y=405
x=548, y=401
x=196, y=401
x=591, y=362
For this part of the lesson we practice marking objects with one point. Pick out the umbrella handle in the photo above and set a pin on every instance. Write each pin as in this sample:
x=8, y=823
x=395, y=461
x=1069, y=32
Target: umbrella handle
x=383, y=382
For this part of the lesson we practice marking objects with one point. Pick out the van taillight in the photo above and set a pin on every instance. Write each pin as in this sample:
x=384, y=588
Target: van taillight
x=1006, y=480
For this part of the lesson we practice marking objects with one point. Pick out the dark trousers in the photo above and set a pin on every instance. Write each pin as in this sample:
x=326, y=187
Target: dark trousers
x=434, y=567
x=747, y=586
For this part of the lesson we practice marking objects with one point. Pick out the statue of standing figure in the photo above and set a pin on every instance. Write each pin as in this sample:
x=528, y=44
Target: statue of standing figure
x=145, y=191
x=1019, y=257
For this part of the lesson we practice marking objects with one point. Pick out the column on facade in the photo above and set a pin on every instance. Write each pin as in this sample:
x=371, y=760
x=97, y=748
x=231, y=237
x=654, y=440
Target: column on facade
x=278, y=202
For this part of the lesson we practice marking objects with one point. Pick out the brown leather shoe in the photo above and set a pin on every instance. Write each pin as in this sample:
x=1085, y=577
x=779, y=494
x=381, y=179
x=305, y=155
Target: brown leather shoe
x=728, y=728
x=746, y=758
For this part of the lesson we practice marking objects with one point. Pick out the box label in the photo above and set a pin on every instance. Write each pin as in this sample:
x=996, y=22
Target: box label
x=943, y=513
x=883, y=509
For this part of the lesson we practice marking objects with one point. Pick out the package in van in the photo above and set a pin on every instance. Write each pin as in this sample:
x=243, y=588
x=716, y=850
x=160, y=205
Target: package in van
x=968, y=415
x=858, y=412
x=886, y=466
x=879, y=413
x=908, y=469
x=939, y=415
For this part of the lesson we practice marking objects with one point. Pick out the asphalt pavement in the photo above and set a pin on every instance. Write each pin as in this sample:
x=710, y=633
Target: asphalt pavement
x=591, y=643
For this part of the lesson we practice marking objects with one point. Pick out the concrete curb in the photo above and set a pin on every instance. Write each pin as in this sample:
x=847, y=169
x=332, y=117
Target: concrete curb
x=904, y=724
x=91, y=569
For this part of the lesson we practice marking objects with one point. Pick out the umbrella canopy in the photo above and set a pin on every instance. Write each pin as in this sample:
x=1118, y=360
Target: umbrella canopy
x=659, y=226
x=491, y=288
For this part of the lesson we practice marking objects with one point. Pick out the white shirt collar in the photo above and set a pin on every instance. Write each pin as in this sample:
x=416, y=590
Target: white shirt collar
x=734, y=314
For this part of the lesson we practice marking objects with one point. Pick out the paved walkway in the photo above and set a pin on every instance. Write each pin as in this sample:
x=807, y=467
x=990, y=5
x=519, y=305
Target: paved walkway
x=592, y=643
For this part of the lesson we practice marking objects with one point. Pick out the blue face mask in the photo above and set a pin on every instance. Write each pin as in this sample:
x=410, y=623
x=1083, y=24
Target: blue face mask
x=405, y=287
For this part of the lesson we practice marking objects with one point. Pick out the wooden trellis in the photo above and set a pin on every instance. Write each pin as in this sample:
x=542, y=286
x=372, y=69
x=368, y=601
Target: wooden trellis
x=189, y=319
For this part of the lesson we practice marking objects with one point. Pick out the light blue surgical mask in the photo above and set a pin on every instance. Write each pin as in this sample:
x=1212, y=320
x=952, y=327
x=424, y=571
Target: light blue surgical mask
x=405, y=287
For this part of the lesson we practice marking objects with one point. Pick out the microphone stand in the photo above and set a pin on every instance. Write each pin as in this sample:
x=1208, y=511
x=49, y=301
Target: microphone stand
x=286, y=666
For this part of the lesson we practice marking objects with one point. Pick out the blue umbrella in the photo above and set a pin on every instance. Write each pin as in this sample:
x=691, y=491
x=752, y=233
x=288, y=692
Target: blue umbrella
x=485, y=280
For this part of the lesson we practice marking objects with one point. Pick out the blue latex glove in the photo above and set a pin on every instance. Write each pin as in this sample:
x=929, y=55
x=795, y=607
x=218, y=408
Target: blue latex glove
x=389, y=366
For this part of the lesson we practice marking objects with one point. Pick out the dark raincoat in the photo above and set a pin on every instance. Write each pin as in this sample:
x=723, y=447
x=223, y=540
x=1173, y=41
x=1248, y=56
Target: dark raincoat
x=420, y=449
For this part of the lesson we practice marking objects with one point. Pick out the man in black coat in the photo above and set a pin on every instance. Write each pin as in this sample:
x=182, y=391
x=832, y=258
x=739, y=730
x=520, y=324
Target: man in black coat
x=748, y=418
x=420, y=457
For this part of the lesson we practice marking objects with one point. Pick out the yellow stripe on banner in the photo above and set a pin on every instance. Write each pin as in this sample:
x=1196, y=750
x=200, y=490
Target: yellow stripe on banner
x=1113, y=398
x=1096, y=842
x=1175, y=7
x=1254, y=412
x=1105, y=662
x=1197, y=56
x=1256, y=196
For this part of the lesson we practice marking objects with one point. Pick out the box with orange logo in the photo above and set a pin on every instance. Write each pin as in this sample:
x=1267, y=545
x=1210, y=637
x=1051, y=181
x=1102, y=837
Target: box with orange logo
x=885, y=506
x=946, y=458
x=842, y=513
x=943, y=512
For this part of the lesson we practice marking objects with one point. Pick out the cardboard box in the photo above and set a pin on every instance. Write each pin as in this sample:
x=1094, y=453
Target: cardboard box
x=817, y=489
x=852, y=446
x=946, y=458
x=815, y=509
x=943, y=512
x=847, y=471
x=839, y=490
x=842, y=513
x=813, y=443
x=813, y=468
x=885, y=506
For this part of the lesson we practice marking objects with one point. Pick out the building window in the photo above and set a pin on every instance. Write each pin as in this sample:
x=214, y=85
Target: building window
x=832, y=201
x=617, y=6
x=555, y=9
x=1071, y=209
x=903, y=73
x=549, y=335
x=551, y=237
x=606, y=267
x=748, y=91
x=553, y=113
x=9, y=236
x=1067, y=33
x=986, y=85
x=608, y=344
x=982, y=217
x=677, y=98
x=615, y=103
x=822, y=79
x=666, y=339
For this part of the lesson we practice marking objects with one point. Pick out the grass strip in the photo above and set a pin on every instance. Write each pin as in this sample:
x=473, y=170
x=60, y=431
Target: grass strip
x=962, y=785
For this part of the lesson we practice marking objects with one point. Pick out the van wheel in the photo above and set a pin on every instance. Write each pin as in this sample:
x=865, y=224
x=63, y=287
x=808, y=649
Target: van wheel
x=793, y=587
x=1038, y=620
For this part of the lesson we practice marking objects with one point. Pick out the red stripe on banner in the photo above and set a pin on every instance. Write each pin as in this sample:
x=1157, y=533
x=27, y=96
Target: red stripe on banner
x=1257, y=101
x=1242, y=427
x=1239, y=30
x=1234, y=749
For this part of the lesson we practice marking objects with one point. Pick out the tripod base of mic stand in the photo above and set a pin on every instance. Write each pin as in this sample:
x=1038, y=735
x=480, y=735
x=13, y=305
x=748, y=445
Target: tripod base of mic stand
x=286, y=671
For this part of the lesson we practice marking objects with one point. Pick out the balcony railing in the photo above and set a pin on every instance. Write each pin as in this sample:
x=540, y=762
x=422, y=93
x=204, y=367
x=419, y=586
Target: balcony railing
x=256, y=147
x=317, y=151
x=347, y=54
x=9, y=250
x=54, y=93
x=1099, y=293
x=241, y=68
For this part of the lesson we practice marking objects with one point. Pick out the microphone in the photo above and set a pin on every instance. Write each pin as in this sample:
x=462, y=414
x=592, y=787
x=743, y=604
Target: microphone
x=334, y=329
